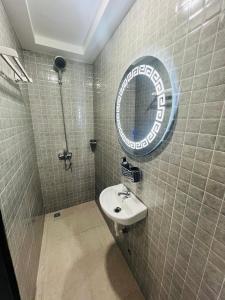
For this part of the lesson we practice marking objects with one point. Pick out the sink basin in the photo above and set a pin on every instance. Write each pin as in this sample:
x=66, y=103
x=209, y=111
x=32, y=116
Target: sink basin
x=125, y=210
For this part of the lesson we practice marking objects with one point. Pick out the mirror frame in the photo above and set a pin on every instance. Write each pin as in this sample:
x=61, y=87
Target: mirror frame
x=135, y=69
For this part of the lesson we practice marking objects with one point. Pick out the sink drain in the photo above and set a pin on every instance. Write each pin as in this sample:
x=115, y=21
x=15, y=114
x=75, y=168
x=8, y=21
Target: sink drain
x=117, y=209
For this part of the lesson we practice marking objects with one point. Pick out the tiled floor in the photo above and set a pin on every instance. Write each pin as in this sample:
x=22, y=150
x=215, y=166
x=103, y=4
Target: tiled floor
x=80, y=260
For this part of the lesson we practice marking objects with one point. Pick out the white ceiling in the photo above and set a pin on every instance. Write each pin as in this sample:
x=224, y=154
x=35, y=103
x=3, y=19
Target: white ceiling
x=76, y=29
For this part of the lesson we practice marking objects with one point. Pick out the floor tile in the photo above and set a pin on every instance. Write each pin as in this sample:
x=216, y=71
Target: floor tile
x=80, y=260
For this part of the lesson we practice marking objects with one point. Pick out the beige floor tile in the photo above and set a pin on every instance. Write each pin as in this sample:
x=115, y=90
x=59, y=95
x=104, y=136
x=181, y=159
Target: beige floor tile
x=60, y=259
x=87, y=219
x=62, y=228
x=90, y=241
x=105, y=235
x=104, y=292
x=77, y=209
x=68, y=290
x=136, y=295
x=80, y=260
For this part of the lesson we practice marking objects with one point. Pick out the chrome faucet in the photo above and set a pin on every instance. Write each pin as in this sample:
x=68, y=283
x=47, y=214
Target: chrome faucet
x=127, y=194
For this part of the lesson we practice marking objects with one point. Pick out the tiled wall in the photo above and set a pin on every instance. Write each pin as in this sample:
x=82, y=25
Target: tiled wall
x=178, y=252
x=20, y=192
x=62, y=189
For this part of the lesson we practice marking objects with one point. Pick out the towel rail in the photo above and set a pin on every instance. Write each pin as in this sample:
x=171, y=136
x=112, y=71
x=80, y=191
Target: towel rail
x=10, y=56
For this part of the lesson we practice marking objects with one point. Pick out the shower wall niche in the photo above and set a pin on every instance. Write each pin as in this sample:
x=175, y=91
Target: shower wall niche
x=62, y=189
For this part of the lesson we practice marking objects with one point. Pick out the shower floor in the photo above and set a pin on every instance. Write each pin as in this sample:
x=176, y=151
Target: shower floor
x=80, y=260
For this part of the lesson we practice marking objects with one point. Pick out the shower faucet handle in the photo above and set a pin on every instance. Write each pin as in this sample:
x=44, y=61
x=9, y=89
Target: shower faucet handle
x=65, y=155
x=61, y=156
x=68, y=155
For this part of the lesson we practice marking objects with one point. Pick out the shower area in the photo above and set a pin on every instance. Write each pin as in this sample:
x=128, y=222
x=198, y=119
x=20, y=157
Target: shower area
x=61, y=104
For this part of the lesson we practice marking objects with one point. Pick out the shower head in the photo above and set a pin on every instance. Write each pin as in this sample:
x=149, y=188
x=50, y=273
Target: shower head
x=59, y=64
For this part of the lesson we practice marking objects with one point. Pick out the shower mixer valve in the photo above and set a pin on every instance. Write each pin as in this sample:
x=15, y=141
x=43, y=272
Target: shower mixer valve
x=66, y=156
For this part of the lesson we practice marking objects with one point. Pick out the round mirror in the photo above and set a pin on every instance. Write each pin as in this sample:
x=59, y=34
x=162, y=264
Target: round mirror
x=145, y=106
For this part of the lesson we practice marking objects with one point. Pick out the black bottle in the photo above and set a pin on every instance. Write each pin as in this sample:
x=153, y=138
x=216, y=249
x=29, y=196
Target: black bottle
x=125, y=163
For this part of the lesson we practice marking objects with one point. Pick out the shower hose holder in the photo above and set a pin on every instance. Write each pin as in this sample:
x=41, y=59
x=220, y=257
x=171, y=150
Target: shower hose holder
x=93, y=144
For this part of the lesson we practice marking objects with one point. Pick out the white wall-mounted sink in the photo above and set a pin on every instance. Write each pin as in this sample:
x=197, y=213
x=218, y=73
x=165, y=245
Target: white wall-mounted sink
x=125, y=210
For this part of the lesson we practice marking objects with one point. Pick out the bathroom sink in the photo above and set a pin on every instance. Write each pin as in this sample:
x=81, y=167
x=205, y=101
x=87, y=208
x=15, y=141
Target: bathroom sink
x=122, y=209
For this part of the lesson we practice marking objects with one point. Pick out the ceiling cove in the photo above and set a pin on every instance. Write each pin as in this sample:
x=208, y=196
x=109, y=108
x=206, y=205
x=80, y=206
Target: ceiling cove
x=76, y=29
